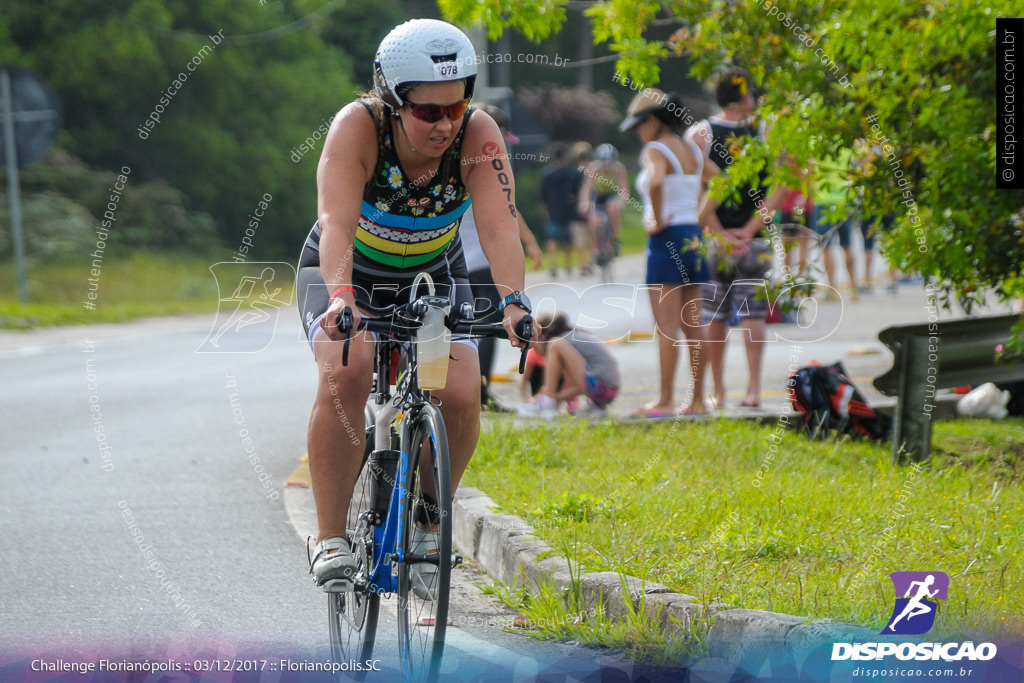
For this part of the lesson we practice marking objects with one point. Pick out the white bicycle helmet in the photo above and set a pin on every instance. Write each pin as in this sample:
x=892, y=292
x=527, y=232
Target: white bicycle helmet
x=606, y=152
x=422, y=51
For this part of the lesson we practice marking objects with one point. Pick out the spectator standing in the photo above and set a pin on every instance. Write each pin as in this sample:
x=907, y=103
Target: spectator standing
x=739, y=258
x=670, y=180
x=558, y=190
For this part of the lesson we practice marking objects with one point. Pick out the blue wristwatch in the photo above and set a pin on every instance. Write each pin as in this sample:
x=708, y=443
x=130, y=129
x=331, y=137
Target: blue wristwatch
x=516, y=298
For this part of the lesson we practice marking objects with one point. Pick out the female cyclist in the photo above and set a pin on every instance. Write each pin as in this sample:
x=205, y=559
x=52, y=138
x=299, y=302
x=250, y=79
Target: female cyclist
x=396, y=174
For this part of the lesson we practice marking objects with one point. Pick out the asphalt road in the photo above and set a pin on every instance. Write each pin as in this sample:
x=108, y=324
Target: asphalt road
x=136, y=526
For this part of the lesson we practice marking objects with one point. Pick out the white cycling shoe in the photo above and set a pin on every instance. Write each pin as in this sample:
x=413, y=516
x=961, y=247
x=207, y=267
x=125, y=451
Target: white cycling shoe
x=333, y=565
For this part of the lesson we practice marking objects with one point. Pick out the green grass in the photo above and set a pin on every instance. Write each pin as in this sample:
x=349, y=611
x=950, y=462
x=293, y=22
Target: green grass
x=136, y=286
x=676, y=505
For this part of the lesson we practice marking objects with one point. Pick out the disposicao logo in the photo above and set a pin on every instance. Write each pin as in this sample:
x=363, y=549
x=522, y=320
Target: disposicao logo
x=917, y=595
x=914, y=613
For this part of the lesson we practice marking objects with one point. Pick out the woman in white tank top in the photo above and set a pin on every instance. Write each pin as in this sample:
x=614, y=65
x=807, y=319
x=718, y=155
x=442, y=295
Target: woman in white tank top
x=670, y=183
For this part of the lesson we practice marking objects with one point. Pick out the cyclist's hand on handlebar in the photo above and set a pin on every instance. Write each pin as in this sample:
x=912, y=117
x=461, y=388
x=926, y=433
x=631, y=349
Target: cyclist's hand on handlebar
x=513, y=316
x=330, y=320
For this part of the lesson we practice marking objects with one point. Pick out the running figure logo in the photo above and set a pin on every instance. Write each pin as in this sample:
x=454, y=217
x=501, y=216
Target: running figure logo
x=249, y=305
x=914, y=613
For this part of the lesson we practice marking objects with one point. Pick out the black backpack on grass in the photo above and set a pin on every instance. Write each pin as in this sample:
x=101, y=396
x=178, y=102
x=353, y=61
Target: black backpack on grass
x=827, y=401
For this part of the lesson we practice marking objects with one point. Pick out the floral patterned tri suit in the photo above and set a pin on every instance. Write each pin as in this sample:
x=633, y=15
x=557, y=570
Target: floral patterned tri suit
x=406, y=226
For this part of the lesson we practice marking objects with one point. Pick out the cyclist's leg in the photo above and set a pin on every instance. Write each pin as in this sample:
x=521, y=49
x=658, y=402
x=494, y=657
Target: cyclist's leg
x=787, y=242
x=460, y=398
x=805, y=254
x=579, y=242
x=336, y=424
x=336, y=428
x=593, y=226
x=613, y=207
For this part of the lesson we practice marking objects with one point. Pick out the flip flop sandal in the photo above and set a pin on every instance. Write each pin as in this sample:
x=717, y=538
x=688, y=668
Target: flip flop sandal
x=652, y=413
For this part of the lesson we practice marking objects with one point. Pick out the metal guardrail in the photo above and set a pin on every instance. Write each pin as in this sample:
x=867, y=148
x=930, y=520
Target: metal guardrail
x=939, y=355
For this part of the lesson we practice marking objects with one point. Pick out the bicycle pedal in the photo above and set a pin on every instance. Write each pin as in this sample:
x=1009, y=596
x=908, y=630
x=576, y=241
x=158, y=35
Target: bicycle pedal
x=338, y=586
x=456, y=560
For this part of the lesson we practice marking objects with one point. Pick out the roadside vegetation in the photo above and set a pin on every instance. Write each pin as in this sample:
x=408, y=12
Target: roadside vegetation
x=677, y=505
x=137, y=285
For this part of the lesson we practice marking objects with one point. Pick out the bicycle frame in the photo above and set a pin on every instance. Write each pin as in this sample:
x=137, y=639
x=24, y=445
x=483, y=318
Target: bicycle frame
x=387, y=550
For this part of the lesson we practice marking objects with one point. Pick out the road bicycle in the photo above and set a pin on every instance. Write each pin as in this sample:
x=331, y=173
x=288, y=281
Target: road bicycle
x=400, y=517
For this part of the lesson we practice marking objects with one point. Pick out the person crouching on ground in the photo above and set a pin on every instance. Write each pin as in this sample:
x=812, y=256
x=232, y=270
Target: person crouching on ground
x=578, y=364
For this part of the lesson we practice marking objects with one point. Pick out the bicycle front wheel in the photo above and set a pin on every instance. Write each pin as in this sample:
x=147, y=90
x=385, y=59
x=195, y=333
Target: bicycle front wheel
x=352, y=615
x=424, y=576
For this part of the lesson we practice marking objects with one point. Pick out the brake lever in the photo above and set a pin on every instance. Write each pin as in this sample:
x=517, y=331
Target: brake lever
x=524, y=330
x=345, y=325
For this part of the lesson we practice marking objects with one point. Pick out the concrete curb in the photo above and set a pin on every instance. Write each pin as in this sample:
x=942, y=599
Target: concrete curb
x=505, y=547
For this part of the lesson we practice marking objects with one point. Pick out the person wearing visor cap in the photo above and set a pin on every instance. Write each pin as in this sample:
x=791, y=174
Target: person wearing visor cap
x=485, y=294
x=670, y=182
x=395, y=177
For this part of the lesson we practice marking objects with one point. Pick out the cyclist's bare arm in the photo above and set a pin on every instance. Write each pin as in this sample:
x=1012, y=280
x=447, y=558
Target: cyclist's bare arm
x=346, y=164
x=488, y=177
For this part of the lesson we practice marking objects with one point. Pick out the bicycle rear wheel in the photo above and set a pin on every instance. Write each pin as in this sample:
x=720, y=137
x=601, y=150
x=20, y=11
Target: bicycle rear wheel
x=353, y=615
x=424, y=576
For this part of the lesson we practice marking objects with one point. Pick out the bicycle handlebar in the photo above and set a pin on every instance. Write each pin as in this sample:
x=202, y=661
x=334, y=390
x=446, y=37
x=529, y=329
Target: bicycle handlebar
x=409, y=317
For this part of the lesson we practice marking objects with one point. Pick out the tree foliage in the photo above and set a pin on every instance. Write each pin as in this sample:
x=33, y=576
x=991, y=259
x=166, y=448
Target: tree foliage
x=917, y=80
x=226, y=136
